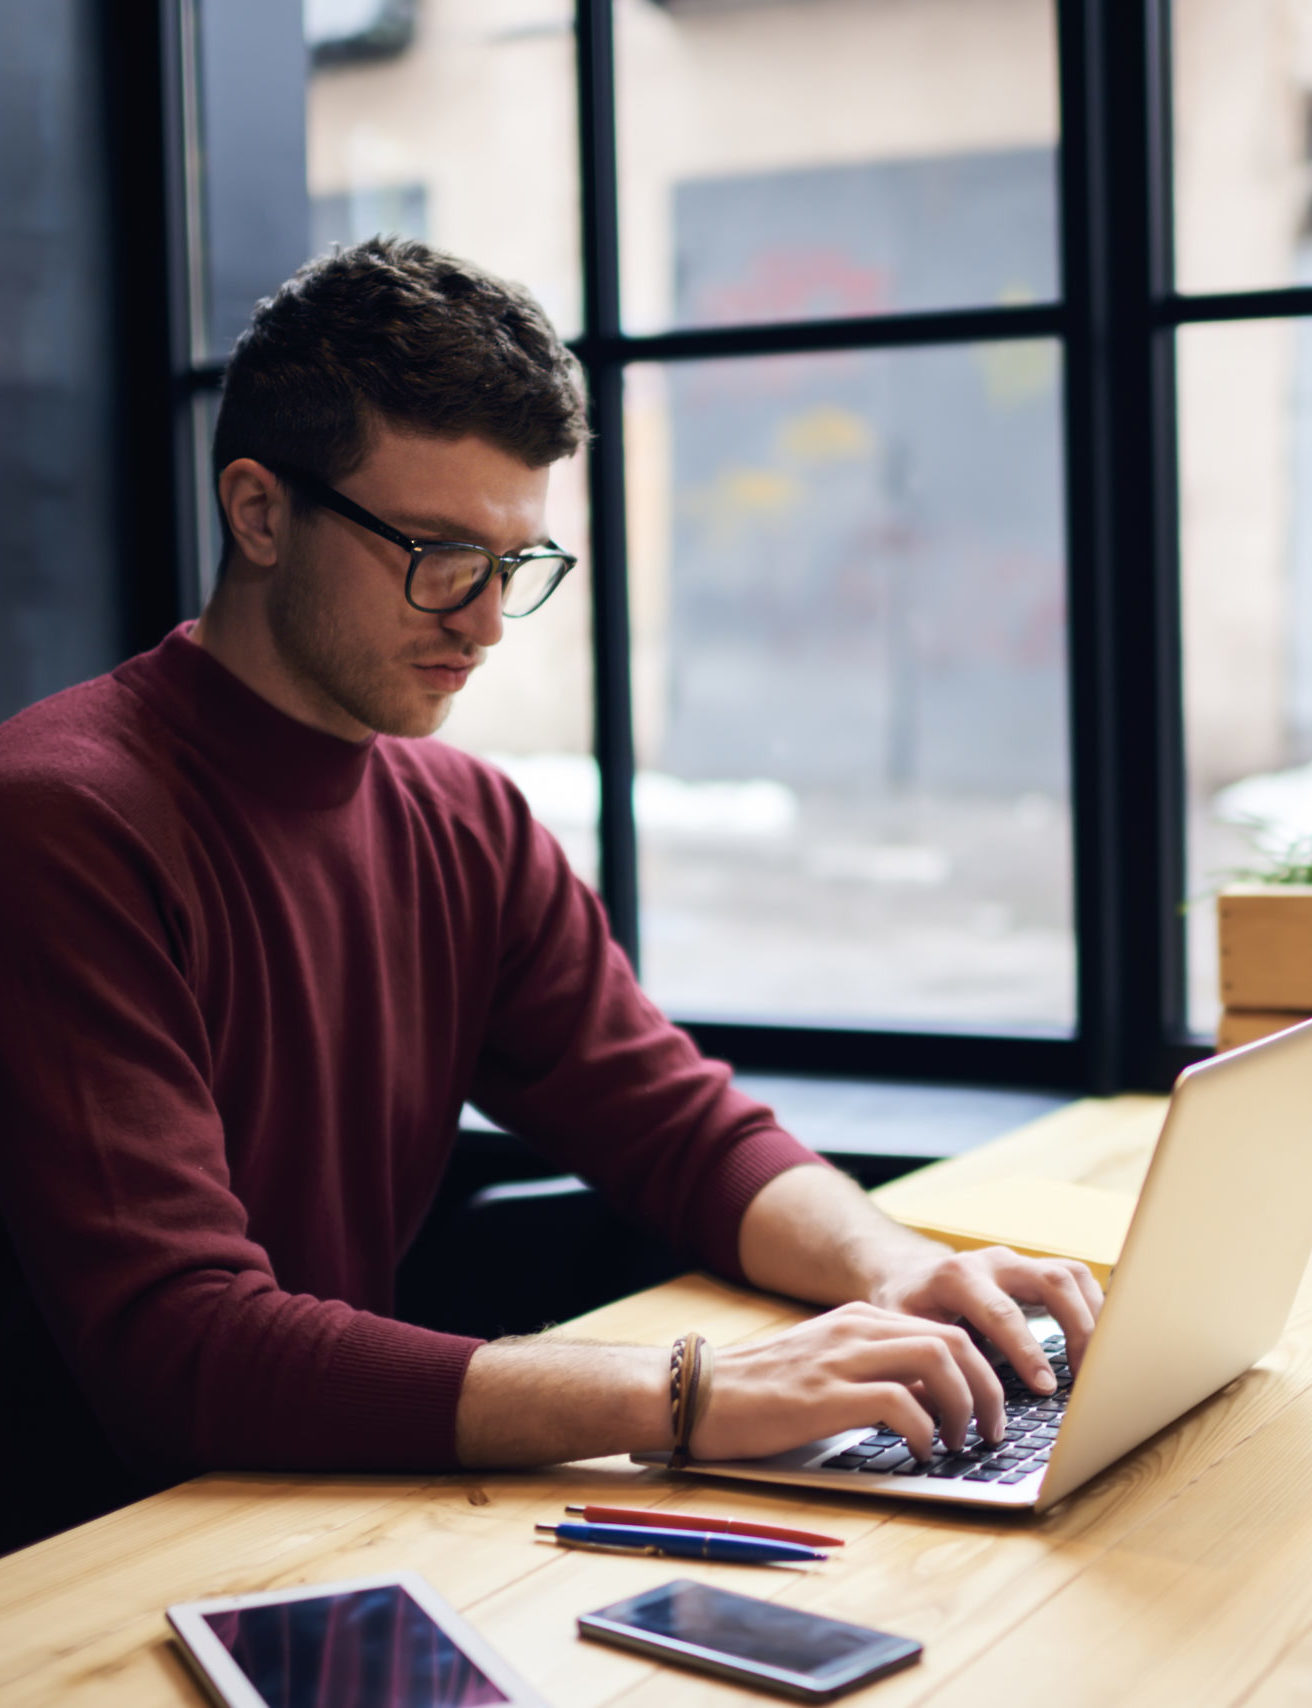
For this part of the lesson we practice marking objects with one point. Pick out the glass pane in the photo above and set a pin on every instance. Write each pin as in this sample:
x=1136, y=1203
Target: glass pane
x=1242, y=105
x=61, y=384
x=448, y=120
x=529, y=707
x=850, y=686
x=819, y=158
x=1246, y=564
x=209, y=535
x=465, y=135
x=246, y=118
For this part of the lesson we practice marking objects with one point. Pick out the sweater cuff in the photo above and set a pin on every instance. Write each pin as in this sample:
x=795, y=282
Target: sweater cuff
x=749, y=1166
x=392, y=1392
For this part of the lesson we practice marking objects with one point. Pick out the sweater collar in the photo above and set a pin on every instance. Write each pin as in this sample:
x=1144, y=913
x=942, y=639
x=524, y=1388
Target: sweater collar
x=239, y=732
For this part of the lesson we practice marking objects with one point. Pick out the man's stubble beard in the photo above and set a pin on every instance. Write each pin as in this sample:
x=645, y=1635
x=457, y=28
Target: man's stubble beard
x=312, y=643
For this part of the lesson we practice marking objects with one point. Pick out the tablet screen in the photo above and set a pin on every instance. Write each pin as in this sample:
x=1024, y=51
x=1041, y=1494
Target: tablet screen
x=370, y=1648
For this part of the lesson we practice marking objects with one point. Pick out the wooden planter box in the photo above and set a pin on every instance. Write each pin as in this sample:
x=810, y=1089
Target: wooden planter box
x=1266, y=960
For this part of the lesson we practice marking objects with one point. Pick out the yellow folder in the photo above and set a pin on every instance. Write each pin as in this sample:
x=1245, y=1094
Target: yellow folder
x=1041, y=1218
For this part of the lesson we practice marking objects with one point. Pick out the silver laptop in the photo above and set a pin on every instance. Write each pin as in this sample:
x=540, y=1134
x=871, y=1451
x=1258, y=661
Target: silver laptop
x=1212, y=1261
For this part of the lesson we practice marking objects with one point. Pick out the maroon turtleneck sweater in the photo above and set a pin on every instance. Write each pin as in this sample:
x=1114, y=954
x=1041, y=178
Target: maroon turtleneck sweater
x=249, y=973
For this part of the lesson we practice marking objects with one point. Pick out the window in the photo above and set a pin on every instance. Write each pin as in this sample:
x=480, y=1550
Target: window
x=889, y=712
x=1243, y=246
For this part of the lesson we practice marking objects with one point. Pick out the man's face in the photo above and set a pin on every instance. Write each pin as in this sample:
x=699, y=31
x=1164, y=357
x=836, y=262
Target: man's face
x=355, y=654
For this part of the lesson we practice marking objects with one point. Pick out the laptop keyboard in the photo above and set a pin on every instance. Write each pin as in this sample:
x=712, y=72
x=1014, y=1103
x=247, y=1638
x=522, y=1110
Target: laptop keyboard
x=1032, y=1421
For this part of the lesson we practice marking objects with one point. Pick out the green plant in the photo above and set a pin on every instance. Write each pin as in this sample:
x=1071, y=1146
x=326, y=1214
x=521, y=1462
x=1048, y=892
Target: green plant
x=1285, y=859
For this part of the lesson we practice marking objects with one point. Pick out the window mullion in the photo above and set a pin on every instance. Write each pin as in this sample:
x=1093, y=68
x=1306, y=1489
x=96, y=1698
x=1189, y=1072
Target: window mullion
x=1124, y=602
x=146, y=147
x=610, y=611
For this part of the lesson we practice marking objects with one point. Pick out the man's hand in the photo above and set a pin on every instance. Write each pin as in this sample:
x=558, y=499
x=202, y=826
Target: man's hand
x=813, y=1233
x=851, y=1368
x=983, y=1287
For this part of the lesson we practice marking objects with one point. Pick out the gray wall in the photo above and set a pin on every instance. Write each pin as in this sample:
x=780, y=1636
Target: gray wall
x=868, y=580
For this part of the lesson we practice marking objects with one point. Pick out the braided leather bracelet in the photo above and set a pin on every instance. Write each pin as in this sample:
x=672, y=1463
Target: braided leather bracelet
x=692, y=1364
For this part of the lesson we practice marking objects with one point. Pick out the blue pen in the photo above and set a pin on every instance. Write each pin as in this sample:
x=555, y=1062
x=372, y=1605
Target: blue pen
x=690, y=1544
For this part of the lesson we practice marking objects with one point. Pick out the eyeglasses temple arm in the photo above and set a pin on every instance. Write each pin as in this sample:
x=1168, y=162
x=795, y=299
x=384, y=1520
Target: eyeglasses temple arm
x=331, y=499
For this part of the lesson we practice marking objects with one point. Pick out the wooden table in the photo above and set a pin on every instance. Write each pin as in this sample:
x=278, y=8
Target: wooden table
x=1180, y=1576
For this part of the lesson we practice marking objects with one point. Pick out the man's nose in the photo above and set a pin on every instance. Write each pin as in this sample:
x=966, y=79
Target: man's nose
x=480, y=621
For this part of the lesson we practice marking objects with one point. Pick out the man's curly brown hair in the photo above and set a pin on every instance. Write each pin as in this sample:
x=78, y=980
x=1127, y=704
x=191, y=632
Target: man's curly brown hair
x=392, y=330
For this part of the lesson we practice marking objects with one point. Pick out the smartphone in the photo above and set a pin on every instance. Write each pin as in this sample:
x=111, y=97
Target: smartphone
x=378, y=1642
x=750, y=1640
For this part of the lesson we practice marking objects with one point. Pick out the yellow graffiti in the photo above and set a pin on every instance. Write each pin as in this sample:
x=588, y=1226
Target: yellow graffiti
x=1015, y=295
x=826, y=434
x=757, y=491
x=1016, y=372
x=742, y=495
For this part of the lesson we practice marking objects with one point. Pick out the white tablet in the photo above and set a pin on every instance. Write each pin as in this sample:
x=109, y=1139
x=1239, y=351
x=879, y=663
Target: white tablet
x=389, y=1641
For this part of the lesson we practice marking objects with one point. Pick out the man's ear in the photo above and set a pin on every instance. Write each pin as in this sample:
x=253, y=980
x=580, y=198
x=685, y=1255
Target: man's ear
x=257, y=508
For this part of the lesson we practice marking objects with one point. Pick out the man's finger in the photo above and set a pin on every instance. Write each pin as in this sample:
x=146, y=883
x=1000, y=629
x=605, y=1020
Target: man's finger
x=988, y=1405
x=1056, y=1286
x=1089, y=1288
x=984, y=1303
x=898, y=1409
x=949, y=1376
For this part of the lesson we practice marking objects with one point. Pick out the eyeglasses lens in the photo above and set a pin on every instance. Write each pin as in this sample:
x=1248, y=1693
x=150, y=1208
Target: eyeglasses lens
x=532, y=581
x=445, y=575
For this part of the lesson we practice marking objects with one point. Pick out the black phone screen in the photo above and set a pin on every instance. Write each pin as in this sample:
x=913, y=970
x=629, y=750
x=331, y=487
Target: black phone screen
x=751, y=1630
x=369, y=1648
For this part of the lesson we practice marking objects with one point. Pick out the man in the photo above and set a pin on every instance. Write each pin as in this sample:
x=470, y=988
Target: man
x=261, y=941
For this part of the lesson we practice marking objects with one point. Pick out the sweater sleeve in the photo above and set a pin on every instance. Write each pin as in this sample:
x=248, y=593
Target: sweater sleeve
x=583, y=1065
x=117, y=1199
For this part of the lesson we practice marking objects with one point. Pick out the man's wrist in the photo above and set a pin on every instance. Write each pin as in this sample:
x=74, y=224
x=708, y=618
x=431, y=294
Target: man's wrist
x=813, y=1233
x=539, y=1400
x=888, y=1258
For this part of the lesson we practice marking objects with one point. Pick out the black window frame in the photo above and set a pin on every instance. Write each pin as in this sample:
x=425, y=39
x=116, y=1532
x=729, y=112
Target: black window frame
x=1117, y=322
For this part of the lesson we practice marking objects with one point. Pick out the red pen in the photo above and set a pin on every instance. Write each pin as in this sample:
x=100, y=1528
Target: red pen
x=690, y=1521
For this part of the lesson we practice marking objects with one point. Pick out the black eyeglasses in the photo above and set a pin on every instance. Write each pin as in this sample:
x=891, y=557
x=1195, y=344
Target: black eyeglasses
x=446, y=575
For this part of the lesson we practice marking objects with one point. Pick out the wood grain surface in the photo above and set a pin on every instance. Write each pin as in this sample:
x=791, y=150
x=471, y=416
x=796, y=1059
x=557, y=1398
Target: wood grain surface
x=1181, y=1576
